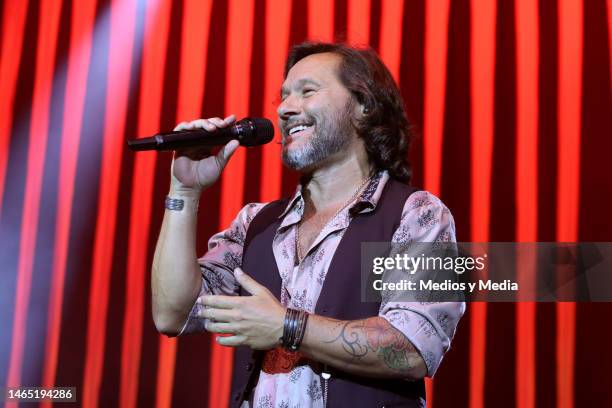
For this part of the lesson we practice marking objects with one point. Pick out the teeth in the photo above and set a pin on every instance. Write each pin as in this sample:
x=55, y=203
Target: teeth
x=297, y=129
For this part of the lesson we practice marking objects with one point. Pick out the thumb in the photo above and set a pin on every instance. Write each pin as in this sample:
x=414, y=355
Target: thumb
x=228, y=150
x=248, y=283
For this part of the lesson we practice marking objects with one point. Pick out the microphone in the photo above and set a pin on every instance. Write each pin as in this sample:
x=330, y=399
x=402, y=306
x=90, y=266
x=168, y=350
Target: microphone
x=248, y=131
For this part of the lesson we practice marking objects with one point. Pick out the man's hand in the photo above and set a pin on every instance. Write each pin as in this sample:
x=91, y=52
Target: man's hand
x=368, y=347
x=196, y=169
x=255, y=321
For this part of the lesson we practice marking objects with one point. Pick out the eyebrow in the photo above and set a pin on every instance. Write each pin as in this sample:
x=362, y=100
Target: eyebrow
x=299, y=83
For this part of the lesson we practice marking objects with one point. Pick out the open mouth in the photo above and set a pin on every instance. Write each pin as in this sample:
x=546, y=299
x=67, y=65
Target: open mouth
x=296, y=130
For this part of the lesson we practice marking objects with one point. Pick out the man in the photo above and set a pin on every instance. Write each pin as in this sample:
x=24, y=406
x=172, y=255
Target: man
x=344, y=128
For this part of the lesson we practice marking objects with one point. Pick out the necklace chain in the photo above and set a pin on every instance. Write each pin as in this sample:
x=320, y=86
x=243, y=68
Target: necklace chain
x=298, y=239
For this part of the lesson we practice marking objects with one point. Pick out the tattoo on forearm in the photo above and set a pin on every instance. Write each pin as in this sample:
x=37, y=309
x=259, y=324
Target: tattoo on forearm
x=358, y=338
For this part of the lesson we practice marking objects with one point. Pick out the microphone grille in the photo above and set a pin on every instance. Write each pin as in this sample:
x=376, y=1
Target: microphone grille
x=258, y=131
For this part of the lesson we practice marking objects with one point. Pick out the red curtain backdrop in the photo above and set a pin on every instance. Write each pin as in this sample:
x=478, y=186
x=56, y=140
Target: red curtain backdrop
x=511, y=100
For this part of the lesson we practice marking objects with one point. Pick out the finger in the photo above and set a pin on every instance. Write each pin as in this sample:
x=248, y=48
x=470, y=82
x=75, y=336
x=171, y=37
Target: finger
x=218, y=122
x=230, y=119
x=248, y=283
x=218, y=315
x=221, y=328
x=226, y=153
x=180, y=126
x=220, y=302
x=203, y=124
x=231, y=341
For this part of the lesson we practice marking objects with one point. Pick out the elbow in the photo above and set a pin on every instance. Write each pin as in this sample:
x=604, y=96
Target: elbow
x=166, y=326
x=417, y=369
x=419, y=372
x=167, y=331
x=420, y=368
x=167, y=320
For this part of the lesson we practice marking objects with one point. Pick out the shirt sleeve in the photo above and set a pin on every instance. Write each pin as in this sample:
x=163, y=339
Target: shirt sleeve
x=429, y=326
x=218, y=263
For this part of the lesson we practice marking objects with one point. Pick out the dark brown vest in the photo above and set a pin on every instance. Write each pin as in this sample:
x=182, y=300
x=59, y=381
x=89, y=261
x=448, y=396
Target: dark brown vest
x=340, y=298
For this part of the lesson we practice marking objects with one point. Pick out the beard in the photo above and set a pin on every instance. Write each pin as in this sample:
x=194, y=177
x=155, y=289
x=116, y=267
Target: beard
x=331, y=134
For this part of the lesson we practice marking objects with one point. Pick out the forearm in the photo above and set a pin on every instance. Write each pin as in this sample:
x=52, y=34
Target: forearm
x=370, y=347
x=176, y=277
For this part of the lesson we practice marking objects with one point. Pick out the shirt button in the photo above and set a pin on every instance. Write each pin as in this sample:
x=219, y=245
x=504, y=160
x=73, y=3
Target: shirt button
x=249, y=366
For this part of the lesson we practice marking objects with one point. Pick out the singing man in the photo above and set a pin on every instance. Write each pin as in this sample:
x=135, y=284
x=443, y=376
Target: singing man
x=283, y=281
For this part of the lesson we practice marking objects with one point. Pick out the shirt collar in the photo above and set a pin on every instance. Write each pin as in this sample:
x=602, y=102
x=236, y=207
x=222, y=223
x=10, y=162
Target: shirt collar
x=366, y=202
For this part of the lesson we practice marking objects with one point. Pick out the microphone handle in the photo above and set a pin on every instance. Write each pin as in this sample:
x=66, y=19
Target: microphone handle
x=183, y=139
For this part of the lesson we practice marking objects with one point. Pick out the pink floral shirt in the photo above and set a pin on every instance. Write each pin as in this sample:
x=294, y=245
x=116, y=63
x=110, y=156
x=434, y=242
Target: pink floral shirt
x=429, y=326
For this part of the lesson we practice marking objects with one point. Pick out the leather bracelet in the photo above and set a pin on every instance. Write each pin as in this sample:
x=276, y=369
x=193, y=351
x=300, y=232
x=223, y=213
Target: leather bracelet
x=294, y=328
x=301, y=330
x=287, y=328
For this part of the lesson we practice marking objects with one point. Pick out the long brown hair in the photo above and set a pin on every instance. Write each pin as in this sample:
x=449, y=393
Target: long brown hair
x=384, y=128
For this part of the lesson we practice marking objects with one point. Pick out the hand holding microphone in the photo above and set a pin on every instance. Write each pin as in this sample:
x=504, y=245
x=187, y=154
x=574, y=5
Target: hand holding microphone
x=194, y=166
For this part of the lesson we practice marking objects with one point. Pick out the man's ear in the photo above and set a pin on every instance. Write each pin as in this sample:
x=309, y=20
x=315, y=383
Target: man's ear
x=361, y=110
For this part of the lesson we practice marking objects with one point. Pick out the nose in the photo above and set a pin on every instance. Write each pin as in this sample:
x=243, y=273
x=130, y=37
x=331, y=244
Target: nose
x=288, y=107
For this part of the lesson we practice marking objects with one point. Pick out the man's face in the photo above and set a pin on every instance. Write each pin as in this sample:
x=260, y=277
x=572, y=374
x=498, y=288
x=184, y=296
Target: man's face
x=315, y=114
